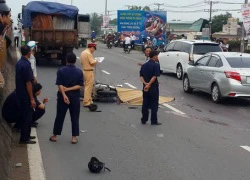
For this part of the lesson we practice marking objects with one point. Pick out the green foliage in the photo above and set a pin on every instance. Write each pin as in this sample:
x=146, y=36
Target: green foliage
x=235, y=45
x=113, y=21
x=96, y=22
x=145, y=8
x=219, y=20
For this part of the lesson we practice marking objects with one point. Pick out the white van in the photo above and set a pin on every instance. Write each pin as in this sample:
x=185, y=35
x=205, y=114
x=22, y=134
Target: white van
x=178, y=53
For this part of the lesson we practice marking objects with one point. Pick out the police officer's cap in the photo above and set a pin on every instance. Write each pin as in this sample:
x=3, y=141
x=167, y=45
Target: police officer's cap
x=3, y=6
x=92, y=45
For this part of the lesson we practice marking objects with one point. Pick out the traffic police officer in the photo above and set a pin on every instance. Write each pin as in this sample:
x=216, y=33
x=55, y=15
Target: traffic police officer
x=24, y=93
x=69, y=81
x=148, y=75
x=88, y=64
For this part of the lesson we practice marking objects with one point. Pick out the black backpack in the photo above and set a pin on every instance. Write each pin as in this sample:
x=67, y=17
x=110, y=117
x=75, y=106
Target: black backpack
x=95, y=166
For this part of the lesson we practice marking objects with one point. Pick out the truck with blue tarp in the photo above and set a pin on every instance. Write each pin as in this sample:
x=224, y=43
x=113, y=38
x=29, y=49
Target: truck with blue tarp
x=54, y=26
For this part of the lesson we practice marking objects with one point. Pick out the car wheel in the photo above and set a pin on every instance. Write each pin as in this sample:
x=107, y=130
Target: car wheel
x=186, y=85
x=215, y=93
x=179, y=71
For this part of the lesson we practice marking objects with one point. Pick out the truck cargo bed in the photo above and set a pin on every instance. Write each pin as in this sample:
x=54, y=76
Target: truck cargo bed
x=55, y=37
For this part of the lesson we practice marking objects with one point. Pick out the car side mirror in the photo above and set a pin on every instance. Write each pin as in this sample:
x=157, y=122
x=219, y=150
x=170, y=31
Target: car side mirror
x=191, y=63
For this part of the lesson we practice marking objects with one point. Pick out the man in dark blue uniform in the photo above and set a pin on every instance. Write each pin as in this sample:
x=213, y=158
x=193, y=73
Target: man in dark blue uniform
x=24, y=92
x=69, y=81
x=148, y=75
x=11, y=111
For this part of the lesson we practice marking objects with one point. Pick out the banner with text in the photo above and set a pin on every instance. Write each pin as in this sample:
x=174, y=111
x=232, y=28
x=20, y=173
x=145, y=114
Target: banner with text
x=245, y=11
x=142, y=23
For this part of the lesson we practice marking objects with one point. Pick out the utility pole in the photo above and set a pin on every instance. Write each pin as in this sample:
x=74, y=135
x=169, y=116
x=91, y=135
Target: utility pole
x=210, y=10
x=210, y=20
x=106, y=7
x=243, y=32
x=159, y=5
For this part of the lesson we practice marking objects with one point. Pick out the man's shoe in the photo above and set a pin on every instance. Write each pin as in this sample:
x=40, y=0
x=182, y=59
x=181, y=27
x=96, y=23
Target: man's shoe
x=143, y=121
x=27, y=142
x=32, y=137
x=34, y=125
x=156, y=123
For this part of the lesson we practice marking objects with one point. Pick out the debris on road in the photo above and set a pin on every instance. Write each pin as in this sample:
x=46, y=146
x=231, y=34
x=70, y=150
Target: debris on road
x=18, y=165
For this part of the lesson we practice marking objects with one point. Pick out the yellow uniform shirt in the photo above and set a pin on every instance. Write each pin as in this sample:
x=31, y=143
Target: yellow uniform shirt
x=87, y=60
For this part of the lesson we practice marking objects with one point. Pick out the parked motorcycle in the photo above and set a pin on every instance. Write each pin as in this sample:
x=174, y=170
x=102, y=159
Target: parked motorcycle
x=116, y=43
x=127, y=48
x=109, y=45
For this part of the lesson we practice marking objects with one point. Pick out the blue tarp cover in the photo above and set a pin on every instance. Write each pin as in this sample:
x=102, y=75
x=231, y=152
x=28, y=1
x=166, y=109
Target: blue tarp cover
x=46, y=8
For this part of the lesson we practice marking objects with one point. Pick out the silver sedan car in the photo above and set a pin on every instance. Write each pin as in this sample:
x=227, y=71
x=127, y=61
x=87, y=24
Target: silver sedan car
x=222, y=74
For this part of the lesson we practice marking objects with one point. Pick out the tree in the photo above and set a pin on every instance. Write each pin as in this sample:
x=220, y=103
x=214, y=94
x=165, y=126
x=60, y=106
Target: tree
x=219, y=20
x=113, y=21
x=145, y=8
x=96, y=22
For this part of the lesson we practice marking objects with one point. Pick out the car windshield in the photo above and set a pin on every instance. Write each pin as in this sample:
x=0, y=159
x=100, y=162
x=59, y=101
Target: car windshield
x=239, y=62
x=206, y=48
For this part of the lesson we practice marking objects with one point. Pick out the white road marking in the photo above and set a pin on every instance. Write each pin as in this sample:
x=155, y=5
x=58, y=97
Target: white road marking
x=35, y=159
x=246, y=148
x=130, y=85
x=105, y=72
x=173, y=109
x=160, y=135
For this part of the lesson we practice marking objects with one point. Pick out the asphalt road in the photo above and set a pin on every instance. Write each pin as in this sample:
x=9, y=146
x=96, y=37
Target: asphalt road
x=199, y=140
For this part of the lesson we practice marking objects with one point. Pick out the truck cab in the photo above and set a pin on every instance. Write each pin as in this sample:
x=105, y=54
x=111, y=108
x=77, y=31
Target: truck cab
x=83, y=29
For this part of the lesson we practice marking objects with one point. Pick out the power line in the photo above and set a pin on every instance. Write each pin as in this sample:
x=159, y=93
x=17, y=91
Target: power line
x=224, y=2
x=185, y=6
x=159, y=5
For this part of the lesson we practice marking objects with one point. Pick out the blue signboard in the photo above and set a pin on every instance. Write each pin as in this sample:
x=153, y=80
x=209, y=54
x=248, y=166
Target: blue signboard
x=142, y=23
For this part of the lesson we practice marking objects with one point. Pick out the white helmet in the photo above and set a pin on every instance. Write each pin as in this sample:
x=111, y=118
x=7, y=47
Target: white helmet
x=148, y=37
x=32, y=44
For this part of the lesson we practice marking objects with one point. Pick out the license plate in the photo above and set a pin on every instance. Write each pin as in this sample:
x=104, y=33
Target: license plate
x=54, y=56
x=248, y=79
x=129, y=46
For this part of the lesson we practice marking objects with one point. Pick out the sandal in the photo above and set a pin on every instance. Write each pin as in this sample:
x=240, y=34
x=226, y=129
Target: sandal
x=74, y=142
x=52, y=140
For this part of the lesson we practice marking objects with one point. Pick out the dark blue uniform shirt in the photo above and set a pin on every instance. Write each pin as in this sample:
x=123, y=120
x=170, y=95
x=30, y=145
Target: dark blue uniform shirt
x=149, y=70
x=69, y=76
x=24, y=74
x=10, y=105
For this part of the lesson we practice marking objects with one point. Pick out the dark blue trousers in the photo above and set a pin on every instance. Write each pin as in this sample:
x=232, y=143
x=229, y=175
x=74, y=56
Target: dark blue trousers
x=62, y=108
x=26, y=119
x=150, y=101
x=15, y=117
